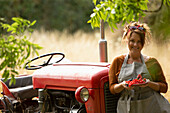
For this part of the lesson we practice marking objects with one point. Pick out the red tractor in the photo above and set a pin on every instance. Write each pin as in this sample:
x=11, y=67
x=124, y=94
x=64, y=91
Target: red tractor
x=60, y=88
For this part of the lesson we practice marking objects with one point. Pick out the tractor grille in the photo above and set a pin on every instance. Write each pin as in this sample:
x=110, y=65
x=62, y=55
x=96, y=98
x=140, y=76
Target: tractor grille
x=110, y=100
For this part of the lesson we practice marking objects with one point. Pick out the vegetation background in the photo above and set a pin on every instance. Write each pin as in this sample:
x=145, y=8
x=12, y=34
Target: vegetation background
x=62, y=27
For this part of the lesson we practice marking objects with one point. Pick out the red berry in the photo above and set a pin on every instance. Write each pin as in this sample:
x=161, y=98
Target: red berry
x=139, y=76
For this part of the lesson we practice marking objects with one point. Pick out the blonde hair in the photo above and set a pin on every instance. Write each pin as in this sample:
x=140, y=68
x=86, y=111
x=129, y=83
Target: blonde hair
x=143, y=34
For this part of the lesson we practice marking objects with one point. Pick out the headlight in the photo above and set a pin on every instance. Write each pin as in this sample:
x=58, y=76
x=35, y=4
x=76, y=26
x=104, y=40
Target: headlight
x=82, y=94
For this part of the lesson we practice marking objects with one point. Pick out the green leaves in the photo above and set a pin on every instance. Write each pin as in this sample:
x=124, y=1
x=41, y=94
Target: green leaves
x=19, y=26
x=15, y=47
x=117, y=11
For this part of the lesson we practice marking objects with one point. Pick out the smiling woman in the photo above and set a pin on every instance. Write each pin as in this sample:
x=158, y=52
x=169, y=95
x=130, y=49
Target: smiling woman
x=135, y=35
x=141, y=98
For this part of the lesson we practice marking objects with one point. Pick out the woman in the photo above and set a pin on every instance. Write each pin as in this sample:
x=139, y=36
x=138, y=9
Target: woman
x=144, y=98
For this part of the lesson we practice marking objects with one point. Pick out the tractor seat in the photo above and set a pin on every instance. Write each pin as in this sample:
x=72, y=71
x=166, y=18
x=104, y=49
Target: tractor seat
x=24, y=92
x=23, y=88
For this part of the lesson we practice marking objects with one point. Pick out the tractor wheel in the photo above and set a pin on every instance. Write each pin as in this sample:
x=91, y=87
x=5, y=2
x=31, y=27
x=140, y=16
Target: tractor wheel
x=9, y=105
x=3, y=106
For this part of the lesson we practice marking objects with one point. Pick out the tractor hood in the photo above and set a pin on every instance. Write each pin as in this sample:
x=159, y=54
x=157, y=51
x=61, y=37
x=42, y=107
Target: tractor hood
x=70, y=76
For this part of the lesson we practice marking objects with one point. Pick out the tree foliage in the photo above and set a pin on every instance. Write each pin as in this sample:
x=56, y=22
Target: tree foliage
x=15, y=47
x=50, y=14
x=160, y=23
x=119, y=11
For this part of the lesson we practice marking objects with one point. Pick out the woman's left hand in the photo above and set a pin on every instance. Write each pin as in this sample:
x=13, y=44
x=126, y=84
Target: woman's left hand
x=154, y=85
x=145, y=85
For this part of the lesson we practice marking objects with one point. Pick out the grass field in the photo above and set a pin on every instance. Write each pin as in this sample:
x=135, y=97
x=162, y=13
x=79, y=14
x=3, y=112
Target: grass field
x=83, y=47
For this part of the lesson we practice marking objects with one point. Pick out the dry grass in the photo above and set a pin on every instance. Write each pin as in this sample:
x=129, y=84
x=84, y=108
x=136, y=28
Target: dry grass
x=83, y=47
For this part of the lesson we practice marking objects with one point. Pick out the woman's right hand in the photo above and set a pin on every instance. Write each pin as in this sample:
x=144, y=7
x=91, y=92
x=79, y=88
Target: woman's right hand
x=119, y=87
x=124, y=84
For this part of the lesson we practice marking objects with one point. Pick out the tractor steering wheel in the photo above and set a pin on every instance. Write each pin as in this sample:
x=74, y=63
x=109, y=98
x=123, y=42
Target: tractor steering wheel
x=34, y=67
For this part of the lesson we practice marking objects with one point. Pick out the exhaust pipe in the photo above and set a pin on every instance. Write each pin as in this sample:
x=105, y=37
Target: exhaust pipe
x=102, y=44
